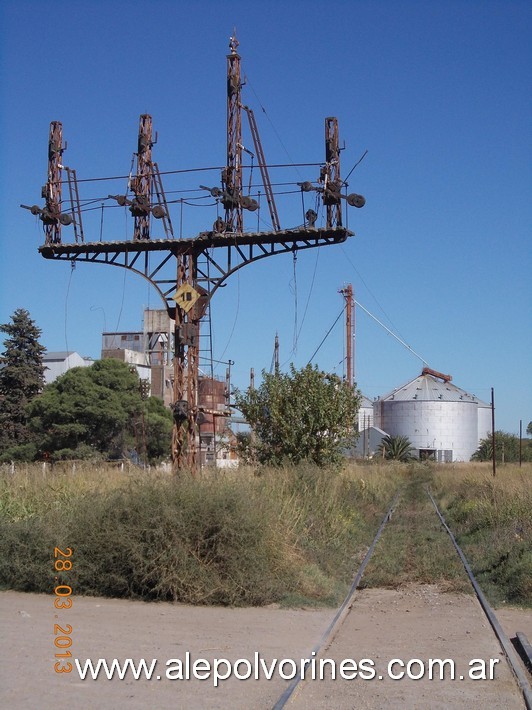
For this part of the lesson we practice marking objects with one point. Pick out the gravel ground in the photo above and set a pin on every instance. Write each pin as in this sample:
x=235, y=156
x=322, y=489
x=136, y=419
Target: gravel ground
x=416, y=622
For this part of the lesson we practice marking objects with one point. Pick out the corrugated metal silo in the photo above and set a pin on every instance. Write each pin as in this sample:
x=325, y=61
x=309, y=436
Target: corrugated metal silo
x=440, y=419
x=484, y=420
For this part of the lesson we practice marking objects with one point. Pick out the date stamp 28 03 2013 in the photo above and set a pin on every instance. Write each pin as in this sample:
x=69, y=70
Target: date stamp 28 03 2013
x=62, y=600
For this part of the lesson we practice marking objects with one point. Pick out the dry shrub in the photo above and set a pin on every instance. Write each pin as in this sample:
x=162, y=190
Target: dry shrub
x=231, y=538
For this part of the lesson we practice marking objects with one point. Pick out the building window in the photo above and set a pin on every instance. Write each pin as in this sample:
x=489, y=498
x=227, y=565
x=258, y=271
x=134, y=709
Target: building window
x=427, y=454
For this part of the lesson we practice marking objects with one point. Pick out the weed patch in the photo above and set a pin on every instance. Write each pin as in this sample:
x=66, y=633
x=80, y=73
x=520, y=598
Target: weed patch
x=235, y=539
x=290, y=536
x=414, y=546
x=491, y=518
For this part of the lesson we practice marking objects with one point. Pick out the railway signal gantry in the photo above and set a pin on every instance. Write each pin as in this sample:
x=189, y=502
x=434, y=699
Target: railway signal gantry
x=186, y=272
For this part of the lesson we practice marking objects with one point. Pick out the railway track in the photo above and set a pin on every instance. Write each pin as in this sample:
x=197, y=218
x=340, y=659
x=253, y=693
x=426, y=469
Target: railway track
x=298, y=687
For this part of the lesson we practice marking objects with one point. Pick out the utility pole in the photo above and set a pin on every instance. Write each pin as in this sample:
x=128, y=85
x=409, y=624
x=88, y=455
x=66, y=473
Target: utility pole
x=276, y=354
x=520, y=442
x=347, y=293
x=493, y=432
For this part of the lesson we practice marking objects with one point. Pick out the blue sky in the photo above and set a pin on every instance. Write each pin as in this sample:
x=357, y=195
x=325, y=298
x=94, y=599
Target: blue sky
x=438, y=93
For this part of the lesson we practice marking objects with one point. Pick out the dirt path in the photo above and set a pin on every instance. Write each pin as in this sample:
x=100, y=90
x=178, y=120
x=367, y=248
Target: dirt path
x=418, y=622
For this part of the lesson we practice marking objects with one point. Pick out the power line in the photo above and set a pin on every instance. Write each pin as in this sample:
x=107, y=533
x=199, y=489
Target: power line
x=354, y=166
x=197, y=170
x=326, y=335
x=370, y=291
x=423, y=360
x=292, y=352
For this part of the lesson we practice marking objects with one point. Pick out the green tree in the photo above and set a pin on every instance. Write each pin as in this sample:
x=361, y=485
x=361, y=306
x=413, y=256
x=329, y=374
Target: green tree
x=305, y=414
x=529, y=429
x=396, y=448
x=158, y=422
x=88, y=412
x=506, y=449
x=21, y=378
x=245, y=443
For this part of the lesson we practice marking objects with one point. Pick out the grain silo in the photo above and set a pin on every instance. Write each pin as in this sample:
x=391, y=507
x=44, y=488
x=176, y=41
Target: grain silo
x=365, y=413
x=442, y=421
x=484, y=420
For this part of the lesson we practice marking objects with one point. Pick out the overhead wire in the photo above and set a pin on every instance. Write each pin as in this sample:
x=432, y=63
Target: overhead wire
x=294, y=279
x=344, y=181
x=326, y=336
x=124, y=282
x=423, y=360
x=190, y=201
x=72, y=269
x=274, y=128
x=292, y=352
x=370, y=291
x=236, y=314
x=184, y=171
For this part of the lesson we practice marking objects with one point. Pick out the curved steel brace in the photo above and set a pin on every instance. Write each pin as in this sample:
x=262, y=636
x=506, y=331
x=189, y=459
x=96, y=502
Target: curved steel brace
x=243, y=250
x=215, y=283
x=99, y=260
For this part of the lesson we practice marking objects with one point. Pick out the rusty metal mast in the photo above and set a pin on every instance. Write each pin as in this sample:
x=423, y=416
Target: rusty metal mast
x=232, y=174
x=347, y=293
x=191, y=301
x=203, y=263
x=141, y=183
x=51, y=214
x=330, y=174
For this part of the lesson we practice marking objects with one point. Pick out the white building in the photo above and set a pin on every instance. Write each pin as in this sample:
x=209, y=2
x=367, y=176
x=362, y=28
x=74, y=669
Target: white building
x=131, y=357
x=150, y=351
x=57, y=363
x=365, y=414
x=368, y=442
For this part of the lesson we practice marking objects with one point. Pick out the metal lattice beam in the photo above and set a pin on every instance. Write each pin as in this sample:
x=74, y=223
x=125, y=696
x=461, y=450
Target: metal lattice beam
x=151, y=259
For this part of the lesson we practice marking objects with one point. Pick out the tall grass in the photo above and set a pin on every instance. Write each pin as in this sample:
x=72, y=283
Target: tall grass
x=492, y=519
x=252, y=537
x=236, y=538
x=414, y=546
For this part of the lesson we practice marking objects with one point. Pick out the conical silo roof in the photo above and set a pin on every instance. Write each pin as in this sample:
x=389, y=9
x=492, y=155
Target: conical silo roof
x=428, y=388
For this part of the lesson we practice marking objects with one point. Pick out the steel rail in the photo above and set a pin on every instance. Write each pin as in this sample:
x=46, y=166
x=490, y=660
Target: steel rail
x=343, y=610
x=504, y=641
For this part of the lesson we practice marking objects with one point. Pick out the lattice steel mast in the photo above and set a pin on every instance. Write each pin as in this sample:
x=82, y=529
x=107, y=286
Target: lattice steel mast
x=232, y=175
x=141, y=183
